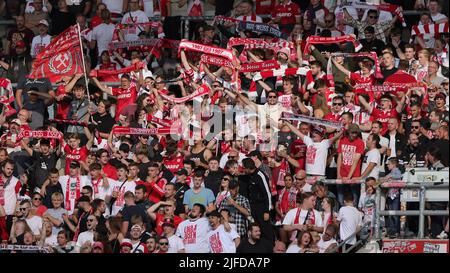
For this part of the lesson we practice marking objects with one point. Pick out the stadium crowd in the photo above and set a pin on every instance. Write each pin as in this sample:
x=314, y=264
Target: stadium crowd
x=219, y=143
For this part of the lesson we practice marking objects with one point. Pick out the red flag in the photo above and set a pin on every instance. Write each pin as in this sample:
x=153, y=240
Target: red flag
x=60, y=58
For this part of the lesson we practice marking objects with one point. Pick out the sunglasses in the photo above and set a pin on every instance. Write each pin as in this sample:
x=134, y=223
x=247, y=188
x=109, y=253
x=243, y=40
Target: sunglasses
x=23, y=209
x=373, y=17
x=232, y=156
x=300, y=178
x=226, y=179
x=328, y=21
x=216, y=86
x=415, y=127
x=337, y=104
x=37, y=198
x=90, y=220
x=272, y=97
x=163, y=243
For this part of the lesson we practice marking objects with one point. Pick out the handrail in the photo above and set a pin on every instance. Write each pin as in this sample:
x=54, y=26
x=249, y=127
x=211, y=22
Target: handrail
x=344, y=242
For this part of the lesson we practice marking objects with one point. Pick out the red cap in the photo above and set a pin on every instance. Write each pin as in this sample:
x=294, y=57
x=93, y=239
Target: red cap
x=298, y=146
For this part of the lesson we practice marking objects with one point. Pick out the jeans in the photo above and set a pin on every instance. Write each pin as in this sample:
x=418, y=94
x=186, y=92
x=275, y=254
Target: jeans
x=393, y=222
x=354, y=189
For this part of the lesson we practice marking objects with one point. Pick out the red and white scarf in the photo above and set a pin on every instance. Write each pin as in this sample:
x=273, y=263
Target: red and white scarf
x=202, y=90
x=72, y=193
x=155, y=26
x=211, y=50
x=2, y=191
x=432, y=29
x=385, y=7
x=162, y=122
x=95, y=184
x=108, y=72
x=252, y=43
x=280, y=73
x=68, y=122
x=311, y=40
x=259, y=66
x=217, y=61
x=121, y=130
x=39, y=134
x=372, y=55
x=8, y=97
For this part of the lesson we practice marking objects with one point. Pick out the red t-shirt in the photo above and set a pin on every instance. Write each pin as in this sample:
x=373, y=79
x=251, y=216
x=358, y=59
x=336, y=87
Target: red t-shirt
x=349, y=149
x=124, y=97
x=110, y=78
x=156, y=191
x=264, y=6
x=362, y=82
x=110, y=171
x=62, y=108
x=383, y=117
x=286, y=12
x=174, y=164
x=160, y=219
x=78, y=154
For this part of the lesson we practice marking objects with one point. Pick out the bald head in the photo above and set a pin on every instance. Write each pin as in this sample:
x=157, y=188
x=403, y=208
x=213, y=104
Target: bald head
x=300, y=178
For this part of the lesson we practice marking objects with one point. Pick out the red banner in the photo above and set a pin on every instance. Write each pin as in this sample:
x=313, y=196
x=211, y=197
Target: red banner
x=120, y=130
x=62, y=57
x=415, y=246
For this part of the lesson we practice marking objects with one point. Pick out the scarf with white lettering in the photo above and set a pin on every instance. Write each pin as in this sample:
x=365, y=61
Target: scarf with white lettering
x=217, y=61
x=222, y=19
x=385, y=7
x=312, y=120
x=202, y=90
x=261, y=28
x=23, y=247
x=259, y=66
x=72, y=193
x=155, y=26
x=156, y=120
x=311, y=40
x=121, y=130
x=108, y=72
x=252, y=43
x=211, y=50
x=39, y=134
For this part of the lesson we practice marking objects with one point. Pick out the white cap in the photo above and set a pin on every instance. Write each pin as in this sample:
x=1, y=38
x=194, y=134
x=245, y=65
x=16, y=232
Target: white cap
x=43, y=22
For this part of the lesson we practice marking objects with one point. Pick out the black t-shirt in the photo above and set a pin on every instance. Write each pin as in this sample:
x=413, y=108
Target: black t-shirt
x=223, y=7
x=443, y=146
x=129, y=211
x=143, y=170
x=42, y=84
x=104, y=123
x=44, y=163
x=79, y=8
x=61, y=21
x=261, y=246
x=48, y=194
x=388, y=72
x=376, y=45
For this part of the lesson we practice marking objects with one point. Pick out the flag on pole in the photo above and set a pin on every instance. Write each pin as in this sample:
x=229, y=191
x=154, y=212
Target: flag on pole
x=62, y=57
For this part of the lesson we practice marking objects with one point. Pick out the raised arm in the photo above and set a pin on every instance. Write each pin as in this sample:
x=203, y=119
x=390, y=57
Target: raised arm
x=366, y=105
x=340, y=67
x=101, y=86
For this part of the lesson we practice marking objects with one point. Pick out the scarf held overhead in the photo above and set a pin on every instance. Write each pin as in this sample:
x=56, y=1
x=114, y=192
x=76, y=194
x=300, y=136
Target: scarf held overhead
x=121, y=130
x=202, y=90
x=211, y=50
x=108, y=72
x=311, y=40
x=260, y=27
x=385, y=7
x=312, y=120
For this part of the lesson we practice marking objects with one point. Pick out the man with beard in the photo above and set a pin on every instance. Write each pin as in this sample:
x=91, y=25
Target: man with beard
x=254, y=243
x=194, y=230
x=87, y=235
x=414, y=154
x=221, y=239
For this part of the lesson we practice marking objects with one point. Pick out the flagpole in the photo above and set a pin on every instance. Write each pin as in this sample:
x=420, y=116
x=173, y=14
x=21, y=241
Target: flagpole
x=84, y=65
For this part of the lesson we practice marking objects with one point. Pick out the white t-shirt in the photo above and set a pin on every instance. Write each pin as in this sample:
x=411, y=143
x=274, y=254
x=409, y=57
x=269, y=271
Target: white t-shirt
x=293, y=248
x=316, y=156
x=221, y=241
x=392, y=143
x=289, y=219
x=39, y=43
x=175, y=244
x=438, y=17
x=83, y=238
x=372, y=156
x=307, y=188
x=132, y=17
x=350, y=218
x=323, y=245
x=10, y=196
x=195, y=235
x=224, y=159
x=84, y=181
x=102, y=191
x=103, y=34
x=35, y=224
x=367, y=205
x=114, y=6
x=51, y=240
x=148, y=8
x=120, y=201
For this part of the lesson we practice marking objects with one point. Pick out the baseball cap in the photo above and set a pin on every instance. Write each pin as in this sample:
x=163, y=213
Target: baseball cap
x=318, y=130
x=214, y=213
x=17, y=121
x=298, y=146
x=182, y=172
x=74, y=164
x=126, y=242
x=43, y=22
x=98, y=245
x=168, y=222
x=285, y=50
x=441, y=95
x=20, y=44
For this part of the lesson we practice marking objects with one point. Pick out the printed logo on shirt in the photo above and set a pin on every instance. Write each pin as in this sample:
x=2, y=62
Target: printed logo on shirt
x=311, y=154
x=216, y=244
x=190, y=234
x=348, y=151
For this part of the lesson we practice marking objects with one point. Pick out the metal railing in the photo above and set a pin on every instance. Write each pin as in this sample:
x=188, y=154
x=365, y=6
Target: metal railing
x=360, y=241
x=423, y=186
